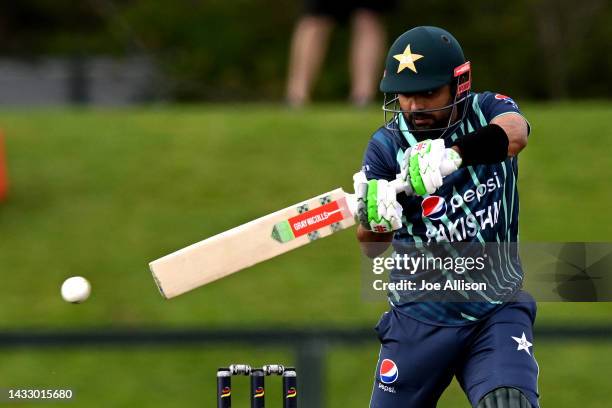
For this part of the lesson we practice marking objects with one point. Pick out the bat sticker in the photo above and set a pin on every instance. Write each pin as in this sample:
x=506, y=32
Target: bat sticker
x=308, y=222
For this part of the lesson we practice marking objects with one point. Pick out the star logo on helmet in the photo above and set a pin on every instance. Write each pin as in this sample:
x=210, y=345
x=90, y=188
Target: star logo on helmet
x=407, y=60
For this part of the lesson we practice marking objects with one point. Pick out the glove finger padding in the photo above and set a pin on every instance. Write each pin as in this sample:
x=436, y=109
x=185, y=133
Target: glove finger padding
x=386, y=209
x=381, y=199
x=377, y=206
x=393, y=209
x=360, y=184
x=405, y=166
x=430, y=160
x=451, y=162
x=384, y=212
x=422, y=166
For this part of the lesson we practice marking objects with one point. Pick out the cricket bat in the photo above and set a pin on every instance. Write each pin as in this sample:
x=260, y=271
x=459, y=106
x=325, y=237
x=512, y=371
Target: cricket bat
x=257, y=241
x=264, y=238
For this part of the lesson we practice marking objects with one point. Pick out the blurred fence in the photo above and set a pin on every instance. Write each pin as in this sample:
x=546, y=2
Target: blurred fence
x=310, y=346
x=96, y=80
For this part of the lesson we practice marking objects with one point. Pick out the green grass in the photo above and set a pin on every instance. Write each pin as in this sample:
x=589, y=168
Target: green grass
x=99, y=193
x=151, y=377
x=572, y=375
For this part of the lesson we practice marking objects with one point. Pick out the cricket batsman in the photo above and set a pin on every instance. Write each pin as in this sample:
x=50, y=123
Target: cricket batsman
x=435, y=126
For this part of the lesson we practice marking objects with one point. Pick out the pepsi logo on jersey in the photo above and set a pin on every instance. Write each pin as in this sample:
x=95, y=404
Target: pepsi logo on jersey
x=506, y=99
x=434, y=207
x=388, y=371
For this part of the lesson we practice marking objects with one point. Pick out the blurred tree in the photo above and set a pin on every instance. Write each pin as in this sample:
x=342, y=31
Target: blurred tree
x=211, y=48
x=563, y=28
x=33, y=27
x=218, y=50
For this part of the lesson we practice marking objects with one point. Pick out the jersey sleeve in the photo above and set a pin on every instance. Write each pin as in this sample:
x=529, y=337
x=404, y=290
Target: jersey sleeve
x=379, y=159
x=493, y=105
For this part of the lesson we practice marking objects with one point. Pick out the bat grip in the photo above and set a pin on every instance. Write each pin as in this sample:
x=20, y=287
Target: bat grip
x=402, y=186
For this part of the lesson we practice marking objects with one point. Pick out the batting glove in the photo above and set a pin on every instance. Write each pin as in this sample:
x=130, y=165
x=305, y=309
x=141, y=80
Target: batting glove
x=377, y=206
x=426, y=163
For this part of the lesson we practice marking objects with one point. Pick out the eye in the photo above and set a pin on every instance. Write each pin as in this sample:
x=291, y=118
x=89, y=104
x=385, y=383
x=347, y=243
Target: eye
x=429, y=93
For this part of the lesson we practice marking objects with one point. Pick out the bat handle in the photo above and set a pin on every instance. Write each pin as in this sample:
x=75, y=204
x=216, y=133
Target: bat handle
x=402, y=186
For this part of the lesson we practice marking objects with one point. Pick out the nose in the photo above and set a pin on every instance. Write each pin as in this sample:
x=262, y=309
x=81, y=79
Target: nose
x=416, y=103
x=413, y=102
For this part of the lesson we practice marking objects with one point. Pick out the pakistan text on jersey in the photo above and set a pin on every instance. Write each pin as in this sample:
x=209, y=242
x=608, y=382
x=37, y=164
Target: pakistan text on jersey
x=467, y=226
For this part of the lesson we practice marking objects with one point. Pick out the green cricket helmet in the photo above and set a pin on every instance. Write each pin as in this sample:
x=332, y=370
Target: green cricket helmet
x=424, y=59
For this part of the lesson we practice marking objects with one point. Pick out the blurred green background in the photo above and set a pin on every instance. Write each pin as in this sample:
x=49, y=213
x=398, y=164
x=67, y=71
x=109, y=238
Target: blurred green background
x=100, y=192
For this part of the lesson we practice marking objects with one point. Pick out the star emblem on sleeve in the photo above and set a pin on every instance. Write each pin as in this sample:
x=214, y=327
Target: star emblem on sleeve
x=407, y=60
x=523, y=344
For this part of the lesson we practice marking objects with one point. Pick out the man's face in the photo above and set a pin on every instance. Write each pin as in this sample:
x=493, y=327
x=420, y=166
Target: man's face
x=435, y=99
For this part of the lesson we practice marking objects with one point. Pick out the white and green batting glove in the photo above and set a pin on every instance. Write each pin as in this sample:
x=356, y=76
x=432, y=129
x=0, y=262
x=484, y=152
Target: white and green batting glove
x=426, y=163
x=377, y=206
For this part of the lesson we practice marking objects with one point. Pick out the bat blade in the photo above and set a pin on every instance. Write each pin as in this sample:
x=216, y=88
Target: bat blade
x=253, y=242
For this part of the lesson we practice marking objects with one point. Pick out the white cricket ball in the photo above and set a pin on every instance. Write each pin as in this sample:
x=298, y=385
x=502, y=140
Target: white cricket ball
x=76, y=289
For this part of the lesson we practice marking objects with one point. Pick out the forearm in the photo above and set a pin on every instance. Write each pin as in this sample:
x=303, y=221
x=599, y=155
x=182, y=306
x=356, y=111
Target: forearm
x=372, y=243
x=505, y=136
x=517, y=131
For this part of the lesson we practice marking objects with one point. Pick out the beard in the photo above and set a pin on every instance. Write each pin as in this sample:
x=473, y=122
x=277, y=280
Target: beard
x=423, y=122
x=427, y=126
